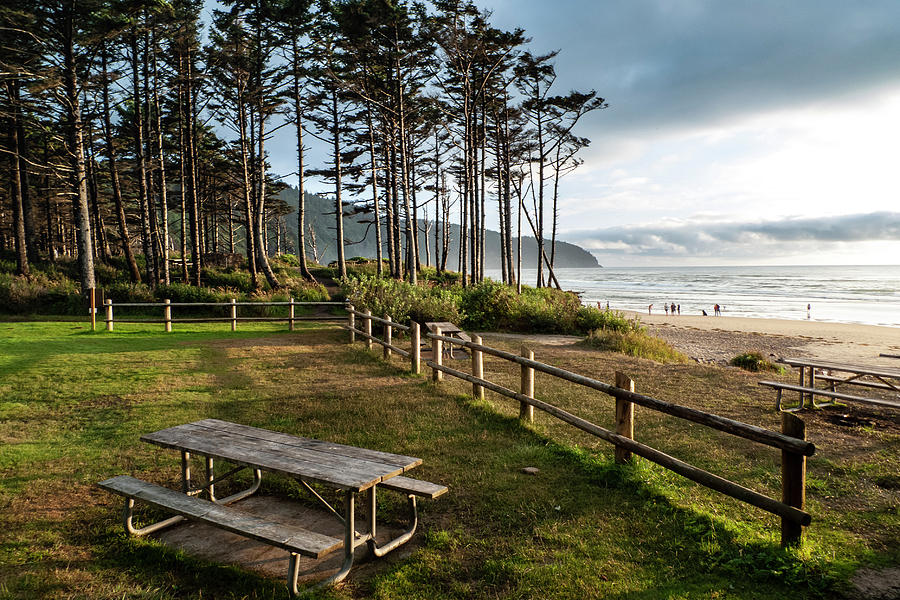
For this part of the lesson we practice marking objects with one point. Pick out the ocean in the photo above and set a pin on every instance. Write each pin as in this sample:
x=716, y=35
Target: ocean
x=842, y=294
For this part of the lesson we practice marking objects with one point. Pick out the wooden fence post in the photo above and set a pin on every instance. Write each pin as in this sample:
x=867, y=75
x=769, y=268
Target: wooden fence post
x=388, y=337
x=624, y=416
x=167, y=315
x=437, y=351
x=477, y=369
x=109, y=315
x=233, y=314
x=351, y=322
x=415, y=356
x=367, y=322
x=291, y=315
x=793, y=479
x=526, y=411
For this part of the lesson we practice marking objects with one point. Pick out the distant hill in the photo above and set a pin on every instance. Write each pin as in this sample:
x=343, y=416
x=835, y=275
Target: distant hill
x=360, y=238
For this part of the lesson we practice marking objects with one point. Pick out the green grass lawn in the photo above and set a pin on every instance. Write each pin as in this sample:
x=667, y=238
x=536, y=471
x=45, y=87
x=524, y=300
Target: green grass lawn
x=73, y=404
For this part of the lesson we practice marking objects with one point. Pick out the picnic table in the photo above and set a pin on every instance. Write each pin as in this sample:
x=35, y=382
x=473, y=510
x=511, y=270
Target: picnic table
x=450, y=330
x=836, y=374
x=349, y=469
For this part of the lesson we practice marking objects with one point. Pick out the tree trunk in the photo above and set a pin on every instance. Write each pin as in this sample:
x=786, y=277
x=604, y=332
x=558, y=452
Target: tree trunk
x=163, y=192
x=339, y=207
x=76, y=152
x=301, y=192
x=15, y=174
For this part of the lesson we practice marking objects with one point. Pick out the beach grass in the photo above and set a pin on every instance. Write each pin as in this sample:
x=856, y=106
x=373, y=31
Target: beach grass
x=73, y=404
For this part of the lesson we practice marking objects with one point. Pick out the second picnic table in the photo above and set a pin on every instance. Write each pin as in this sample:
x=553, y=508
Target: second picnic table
x=885, y=379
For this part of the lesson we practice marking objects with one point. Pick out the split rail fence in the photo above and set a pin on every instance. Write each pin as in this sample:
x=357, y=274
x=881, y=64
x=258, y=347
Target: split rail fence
x=791, y=441
x=230, y=308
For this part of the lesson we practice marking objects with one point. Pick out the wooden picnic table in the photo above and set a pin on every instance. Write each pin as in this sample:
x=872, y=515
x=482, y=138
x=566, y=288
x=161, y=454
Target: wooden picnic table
x=349, y=469
x=841, y=374
x=450, y=330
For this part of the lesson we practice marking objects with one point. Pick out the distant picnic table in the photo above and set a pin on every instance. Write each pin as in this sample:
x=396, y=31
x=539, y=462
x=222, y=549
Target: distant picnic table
x=834, y=374
x=450, y=330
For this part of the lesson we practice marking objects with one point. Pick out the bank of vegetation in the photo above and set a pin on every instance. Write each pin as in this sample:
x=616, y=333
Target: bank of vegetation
x=136, y=129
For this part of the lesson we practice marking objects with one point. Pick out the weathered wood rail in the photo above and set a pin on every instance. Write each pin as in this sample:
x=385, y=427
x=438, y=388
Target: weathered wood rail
x=230, y=307
x=791, y=441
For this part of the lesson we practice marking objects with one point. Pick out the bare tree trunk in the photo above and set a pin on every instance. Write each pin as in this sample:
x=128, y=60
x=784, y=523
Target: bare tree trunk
x=163, y=192
x=339, y=207
x=15, y=174
x=379, y=269
x=301, y=192
x=76, y=152
x=261, y=249
x=138, y=125
x=191, y=166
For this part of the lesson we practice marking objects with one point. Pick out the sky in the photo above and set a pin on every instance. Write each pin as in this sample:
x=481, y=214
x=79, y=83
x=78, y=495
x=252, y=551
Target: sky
x=738, y=131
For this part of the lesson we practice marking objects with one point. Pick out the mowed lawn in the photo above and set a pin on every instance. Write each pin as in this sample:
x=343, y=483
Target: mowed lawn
x=73, y=404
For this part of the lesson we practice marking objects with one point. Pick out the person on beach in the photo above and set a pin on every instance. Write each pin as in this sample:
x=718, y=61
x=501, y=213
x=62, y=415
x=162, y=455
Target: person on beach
x=704, y=313
x=650, y=309
x=679, y=309
x=716, y=310
x=808, y=309
x=673, y=309
x=666, y=308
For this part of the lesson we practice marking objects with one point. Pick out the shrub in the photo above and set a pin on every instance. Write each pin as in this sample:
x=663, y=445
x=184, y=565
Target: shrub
x=39, y=294
x=635, y=343
x=402, y=300
x=228, y=279
x=592, y=319
x=756, y=362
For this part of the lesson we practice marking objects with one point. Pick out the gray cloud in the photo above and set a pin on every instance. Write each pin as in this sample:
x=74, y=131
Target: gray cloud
x=711, y=239
x=665, y=64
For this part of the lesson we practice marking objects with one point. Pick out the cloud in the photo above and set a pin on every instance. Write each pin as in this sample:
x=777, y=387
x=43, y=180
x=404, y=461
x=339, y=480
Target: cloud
x=664, y=64
x=701, y=237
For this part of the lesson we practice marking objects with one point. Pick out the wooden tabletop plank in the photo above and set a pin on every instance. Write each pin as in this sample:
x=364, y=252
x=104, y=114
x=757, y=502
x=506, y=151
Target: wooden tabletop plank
x=242, y=452
x=827, y=364
x=446, y=326
x=313, y=444
x=332, y=469
x=255, y=445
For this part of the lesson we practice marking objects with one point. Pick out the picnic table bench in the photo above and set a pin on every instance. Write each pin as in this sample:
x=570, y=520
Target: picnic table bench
x=350, y=469
x=812, y=370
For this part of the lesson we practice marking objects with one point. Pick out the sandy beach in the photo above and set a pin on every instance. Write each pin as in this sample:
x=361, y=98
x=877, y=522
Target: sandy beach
x=718, y=339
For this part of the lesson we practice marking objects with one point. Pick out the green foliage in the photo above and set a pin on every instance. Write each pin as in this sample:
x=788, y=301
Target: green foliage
x=486, y=306
x=230, y=279
x=756, y=362
x=402, y=300
x=39, y=294
x=635, y=343
x=592, y=319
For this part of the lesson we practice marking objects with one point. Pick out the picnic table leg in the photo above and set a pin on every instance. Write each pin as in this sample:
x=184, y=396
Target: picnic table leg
x=401, y=539
x=210, y=476
x=349, y=545
x=128, y=515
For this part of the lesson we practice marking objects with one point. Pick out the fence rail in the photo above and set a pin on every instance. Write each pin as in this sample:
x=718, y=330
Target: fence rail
x=791, y=440
x=167, y=319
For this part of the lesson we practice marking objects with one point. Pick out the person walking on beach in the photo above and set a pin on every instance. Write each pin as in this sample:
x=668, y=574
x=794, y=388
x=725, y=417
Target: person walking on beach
x=666, y=308
x=808, y=309
x=679, y=309
x=650, y=309
x=716, y=310
x=673, y=309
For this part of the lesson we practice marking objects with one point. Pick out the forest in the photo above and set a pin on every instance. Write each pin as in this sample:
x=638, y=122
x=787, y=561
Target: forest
x=135, y=129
